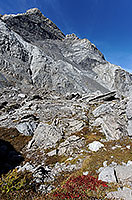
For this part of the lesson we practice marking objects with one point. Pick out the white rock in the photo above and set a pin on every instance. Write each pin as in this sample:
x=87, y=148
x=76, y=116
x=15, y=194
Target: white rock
x=85, y=173
x=69, y=159
x=105, y=163
x=26, y=128
x=107, y=174
x=129, y=163
x=113, y=148
x=116, y=146
x=52, y=153
x=113, y=164
x=95, y=146
x=100, y=169
x=21, y=95
x=27, y=167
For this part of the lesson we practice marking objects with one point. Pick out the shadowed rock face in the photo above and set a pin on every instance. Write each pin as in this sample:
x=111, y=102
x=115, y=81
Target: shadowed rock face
x=11, y=144
x=33, y=26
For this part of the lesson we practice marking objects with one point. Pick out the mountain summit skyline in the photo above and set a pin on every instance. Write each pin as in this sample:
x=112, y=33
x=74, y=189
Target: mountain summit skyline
x=39, y=53
x=107, y=24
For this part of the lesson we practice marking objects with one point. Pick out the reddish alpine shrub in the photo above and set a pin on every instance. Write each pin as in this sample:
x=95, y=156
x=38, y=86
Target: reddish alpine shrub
x=78, y=187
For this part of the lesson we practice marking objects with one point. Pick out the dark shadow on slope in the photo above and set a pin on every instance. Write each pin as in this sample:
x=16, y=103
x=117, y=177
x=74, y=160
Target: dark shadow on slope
x=11, y=144
x=9, y=157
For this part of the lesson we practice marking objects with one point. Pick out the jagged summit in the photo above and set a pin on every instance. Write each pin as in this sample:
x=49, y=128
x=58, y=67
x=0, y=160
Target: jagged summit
x=34, y=11
x=33, y=25
x=28, y=12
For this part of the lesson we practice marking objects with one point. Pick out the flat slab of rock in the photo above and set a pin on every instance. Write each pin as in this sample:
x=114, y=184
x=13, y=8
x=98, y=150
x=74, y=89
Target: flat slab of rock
x=112, y=119
x=52, y=153
x=120, y=173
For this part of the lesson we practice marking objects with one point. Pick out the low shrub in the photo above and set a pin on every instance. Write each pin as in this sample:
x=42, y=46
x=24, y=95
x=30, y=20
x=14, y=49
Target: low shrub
x=81, y=187
x=11, y=181
x=15, y=185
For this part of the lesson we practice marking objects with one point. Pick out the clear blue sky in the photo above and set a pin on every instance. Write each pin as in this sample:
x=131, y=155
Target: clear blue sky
x=106, y=23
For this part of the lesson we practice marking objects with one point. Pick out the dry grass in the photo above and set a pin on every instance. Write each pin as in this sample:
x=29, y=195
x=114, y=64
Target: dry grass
x=17, y=140
x=95, y=159
x=52, y=160
x=92, y=161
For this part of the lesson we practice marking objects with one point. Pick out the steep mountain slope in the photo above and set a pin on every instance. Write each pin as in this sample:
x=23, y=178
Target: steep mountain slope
x=35, y=50
x=60, y=93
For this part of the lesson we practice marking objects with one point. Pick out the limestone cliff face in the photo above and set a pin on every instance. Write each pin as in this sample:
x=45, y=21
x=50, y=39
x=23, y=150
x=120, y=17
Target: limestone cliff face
x=34, y=50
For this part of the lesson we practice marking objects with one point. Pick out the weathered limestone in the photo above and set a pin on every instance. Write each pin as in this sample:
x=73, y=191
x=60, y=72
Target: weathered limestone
x=46, y=135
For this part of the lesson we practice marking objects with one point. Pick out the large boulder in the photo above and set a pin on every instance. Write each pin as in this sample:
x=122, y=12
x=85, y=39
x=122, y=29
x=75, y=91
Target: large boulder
x=112, y=118
x=46, y=136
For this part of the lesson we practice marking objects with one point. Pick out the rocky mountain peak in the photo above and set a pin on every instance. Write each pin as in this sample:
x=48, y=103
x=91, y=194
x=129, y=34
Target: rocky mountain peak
x=33, y=25
x=34, y=11
x=31, y=11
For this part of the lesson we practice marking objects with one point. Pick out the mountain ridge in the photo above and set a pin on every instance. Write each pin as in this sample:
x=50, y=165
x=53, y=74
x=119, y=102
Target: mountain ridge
x=70, y=52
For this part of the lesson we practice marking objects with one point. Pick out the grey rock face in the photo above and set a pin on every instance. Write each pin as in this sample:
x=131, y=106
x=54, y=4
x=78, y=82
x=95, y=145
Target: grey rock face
x=129, y=113
x=46, y=135
x=125, y=194
x=33, y=26
x=108, y=175
x=112, y=118
x=9, y=157
x=124, y=174
x=14, y=58
x=121, y=174
x=35, y=50
x=71, y=143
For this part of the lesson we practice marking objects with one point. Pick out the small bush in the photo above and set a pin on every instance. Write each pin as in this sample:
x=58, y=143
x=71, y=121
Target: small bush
x=16, y=185
x=12, y=181
x=81, y=187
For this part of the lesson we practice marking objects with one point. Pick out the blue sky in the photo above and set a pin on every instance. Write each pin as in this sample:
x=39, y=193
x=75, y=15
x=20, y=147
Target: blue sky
x=106, y=23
